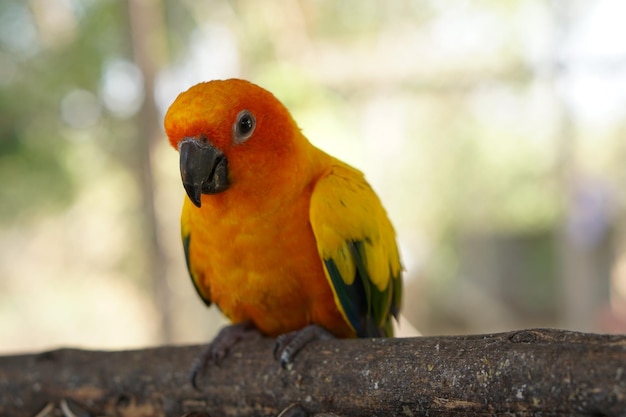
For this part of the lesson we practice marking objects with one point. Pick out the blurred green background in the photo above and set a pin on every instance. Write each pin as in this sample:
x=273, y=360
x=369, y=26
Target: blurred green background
x=493, y=132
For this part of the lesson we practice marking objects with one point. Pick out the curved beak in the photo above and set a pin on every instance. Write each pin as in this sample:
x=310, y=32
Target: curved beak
x=203, y=168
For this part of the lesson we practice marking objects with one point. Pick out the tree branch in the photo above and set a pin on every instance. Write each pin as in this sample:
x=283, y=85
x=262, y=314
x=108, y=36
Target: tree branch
x=530, y=372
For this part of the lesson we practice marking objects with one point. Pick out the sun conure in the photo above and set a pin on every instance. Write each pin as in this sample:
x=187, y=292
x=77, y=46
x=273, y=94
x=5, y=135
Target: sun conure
x=284, y=238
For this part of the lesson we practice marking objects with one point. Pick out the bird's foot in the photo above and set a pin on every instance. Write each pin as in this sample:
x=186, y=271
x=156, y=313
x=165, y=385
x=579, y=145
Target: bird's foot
x=289, y=344
x=218, y=349
x=293, y=410
x=296, y=410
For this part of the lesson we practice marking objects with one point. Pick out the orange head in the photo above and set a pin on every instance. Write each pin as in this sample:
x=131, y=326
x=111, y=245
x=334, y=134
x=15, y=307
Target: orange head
x=232, y=134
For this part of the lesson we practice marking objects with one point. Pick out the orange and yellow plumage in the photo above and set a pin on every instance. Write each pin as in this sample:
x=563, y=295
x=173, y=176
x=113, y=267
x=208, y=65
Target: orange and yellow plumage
x=278, y=233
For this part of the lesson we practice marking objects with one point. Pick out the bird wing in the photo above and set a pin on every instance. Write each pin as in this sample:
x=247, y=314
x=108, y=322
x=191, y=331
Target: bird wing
x=186, y=232
x=356, y=242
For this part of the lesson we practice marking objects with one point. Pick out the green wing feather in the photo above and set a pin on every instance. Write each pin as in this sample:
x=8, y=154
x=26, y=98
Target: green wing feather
x=356, y=242
x=185, y=228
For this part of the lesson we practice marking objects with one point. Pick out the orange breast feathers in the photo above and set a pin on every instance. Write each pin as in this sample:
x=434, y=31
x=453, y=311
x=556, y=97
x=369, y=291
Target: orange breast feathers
x=269, y=224
x=262, y=268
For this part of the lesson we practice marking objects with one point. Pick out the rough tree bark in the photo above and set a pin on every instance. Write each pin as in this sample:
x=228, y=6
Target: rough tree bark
x=530, y=372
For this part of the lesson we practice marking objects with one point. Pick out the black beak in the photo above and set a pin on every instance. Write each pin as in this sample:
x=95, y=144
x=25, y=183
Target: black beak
x=203, y=168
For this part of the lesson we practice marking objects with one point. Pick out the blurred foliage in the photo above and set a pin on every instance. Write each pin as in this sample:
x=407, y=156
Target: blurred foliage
x=41, y=69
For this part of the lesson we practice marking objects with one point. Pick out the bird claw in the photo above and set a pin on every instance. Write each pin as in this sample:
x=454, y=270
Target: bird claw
x=296, y=410
x=293, y=410
x=217, y=350
x=289, y=344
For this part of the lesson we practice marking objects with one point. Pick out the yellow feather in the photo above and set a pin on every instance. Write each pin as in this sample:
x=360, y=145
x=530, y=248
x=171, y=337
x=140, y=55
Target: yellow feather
x=344, y=208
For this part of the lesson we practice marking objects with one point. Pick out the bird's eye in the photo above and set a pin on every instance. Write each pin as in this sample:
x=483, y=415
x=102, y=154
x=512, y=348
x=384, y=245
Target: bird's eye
x=244, y=126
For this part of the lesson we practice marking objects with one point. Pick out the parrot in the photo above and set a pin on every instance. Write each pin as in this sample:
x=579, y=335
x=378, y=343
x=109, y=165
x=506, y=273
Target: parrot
x=286, y=240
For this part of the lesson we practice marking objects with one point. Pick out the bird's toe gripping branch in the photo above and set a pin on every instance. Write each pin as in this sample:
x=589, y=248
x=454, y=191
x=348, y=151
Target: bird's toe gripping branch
x=219, y=347
x=289, y=344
